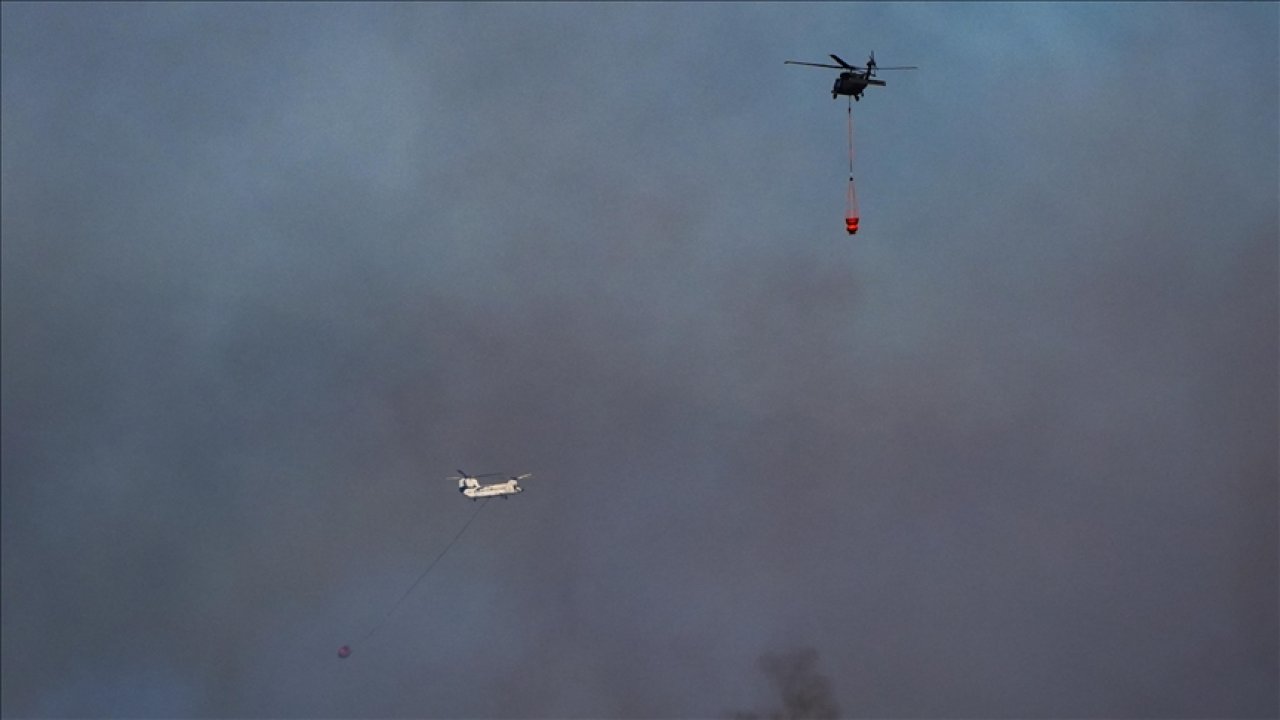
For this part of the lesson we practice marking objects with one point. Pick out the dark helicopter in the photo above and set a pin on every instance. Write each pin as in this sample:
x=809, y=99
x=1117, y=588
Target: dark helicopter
x=854, y=79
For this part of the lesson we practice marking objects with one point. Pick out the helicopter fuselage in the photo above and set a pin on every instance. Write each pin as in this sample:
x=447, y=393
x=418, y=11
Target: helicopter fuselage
x=507, y=488
x=852, y=83
x=471, y=487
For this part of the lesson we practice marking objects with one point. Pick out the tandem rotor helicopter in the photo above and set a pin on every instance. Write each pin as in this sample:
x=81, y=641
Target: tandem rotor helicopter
x=854, y=79
x=470, y=486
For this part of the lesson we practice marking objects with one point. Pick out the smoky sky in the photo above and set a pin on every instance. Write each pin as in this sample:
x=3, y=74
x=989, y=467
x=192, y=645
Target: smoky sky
x=272, y=272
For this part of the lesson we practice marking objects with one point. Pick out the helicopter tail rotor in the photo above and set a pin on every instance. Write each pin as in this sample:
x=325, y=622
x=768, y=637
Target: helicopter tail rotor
x=872, y=67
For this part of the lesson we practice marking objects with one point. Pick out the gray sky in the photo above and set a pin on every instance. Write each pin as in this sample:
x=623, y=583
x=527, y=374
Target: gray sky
x=272, y=272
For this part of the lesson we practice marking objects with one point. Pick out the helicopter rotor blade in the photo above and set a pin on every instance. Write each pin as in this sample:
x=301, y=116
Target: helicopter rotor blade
x=898, y=67
x=821, y=65
x=843, y=64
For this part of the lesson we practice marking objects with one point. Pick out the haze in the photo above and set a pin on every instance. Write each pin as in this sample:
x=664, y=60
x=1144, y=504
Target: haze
x=272, y=272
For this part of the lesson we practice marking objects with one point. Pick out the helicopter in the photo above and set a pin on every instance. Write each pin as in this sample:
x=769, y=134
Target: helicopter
x=854, y=79
x=470, y=486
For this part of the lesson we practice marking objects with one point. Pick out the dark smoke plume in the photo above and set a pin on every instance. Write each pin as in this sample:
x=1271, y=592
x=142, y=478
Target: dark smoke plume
x=805, y=692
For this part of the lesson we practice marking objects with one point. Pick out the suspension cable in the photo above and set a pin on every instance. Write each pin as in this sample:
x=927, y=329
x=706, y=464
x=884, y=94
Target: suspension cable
x=851, y=214
x=425, y=572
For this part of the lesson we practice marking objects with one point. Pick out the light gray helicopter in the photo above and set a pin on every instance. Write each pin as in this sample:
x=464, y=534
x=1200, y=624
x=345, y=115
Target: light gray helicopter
x=470, y=486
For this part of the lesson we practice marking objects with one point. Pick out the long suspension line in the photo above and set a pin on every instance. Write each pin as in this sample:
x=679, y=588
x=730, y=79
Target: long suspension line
x=345, y=650
x=851, y=214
